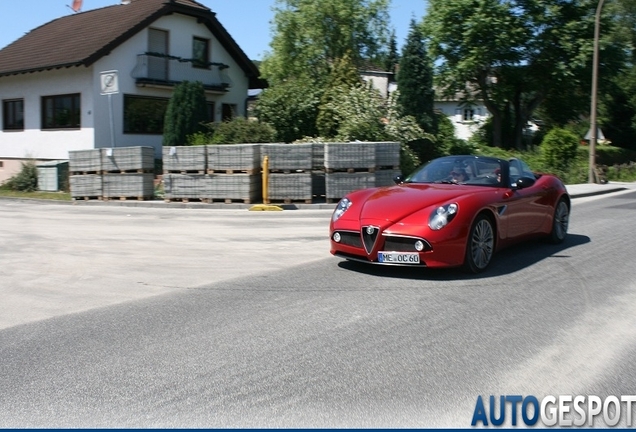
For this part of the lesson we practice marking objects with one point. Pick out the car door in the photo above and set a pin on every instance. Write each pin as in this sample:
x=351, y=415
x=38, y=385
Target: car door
x=526, y=208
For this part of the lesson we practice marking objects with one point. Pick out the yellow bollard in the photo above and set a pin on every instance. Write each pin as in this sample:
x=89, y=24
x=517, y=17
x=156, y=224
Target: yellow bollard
x=266, y=180
x=265, y=206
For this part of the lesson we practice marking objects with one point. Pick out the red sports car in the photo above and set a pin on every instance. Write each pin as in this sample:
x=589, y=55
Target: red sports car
x=454, y=211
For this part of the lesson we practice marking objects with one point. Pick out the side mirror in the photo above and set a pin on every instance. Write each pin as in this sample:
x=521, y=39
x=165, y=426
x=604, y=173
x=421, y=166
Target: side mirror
x=525, y=182
x=398, y=179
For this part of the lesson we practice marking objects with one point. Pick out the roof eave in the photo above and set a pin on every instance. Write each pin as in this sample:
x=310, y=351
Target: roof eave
x=42, y=69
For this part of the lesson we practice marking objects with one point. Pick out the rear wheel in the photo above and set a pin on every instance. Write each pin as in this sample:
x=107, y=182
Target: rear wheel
x=481, y=245
x=560, y=222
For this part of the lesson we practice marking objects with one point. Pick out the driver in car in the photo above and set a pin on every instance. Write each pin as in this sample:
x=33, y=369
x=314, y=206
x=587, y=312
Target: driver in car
x=458, y=175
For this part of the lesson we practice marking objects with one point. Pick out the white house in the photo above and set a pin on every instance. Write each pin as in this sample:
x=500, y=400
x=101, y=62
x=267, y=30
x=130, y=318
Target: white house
x=467, y=117
x=54, y=81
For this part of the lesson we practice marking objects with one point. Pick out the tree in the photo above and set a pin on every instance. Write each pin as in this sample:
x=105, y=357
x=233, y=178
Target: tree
x=310, y=35
x=186, y=112
x=344, y=75
x=291, y=107
x=392, y=58
x=415, y=81
x=512, y=54
x=617, y=108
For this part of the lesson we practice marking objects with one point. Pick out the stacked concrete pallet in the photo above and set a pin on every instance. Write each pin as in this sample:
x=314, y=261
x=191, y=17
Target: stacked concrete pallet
x=359, y=165
x=224, y=172
x=85, y=178
x=184, y=160
x=387, y=156
x=348, y=167
x=184, y=172
x=228, y=188
x=183, y=187
x=235, y=173
x=290, y=172
x=128, y=172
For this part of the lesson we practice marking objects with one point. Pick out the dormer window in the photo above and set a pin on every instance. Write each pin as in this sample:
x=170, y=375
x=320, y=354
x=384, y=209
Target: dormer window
x=200, y=53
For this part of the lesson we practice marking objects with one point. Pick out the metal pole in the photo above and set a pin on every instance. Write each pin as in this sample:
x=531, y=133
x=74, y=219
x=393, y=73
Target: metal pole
x=593, y=126
x=112, y=120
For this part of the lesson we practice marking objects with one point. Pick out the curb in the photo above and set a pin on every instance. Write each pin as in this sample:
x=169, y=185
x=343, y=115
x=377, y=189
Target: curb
x=575, y=191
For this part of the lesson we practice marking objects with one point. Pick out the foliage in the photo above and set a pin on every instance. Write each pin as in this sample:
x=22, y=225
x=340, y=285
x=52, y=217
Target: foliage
x=540, y=51
x=344, y=75
x=364, y=115
x=186, y=112
x=239, y=130
x=415, y=81
x=359, y=114
x=392, y=58
x=24, y=181
x=559, y=148
x=291, y=108
x=309, y=35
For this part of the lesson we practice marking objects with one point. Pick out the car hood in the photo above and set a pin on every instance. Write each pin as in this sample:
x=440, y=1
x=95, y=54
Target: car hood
x=397, y=202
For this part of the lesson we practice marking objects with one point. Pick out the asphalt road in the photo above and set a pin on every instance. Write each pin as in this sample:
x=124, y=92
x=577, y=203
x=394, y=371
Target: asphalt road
x=120, y=317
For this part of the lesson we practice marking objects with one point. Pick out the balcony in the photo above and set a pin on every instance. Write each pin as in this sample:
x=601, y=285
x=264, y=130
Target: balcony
x=160, y=70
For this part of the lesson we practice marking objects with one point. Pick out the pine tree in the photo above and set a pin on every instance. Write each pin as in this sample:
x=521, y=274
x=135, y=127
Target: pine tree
x=185, y=114
x=392, y=58
x=415, y=81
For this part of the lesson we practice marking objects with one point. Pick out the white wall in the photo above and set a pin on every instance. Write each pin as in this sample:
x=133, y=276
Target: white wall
x=454, y=111
x=33, y=142
x=95, y=131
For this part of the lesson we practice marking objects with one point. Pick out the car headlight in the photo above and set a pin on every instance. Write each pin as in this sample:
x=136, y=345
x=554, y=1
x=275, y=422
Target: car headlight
x=441, y=216
x=341, y=208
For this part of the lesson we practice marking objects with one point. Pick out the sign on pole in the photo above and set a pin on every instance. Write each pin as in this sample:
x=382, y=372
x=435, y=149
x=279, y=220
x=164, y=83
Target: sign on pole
x=110, y=86
x=109, y=82
x=599, y=135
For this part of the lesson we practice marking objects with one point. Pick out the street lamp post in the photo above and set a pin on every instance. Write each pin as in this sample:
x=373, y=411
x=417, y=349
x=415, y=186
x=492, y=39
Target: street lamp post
x=593, y=126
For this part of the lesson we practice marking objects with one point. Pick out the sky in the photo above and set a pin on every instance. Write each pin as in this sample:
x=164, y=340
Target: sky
x=247, y=21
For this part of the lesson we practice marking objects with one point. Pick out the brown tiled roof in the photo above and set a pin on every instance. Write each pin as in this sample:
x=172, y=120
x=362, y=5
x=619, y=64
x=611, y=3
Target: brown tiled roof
x=83, y=38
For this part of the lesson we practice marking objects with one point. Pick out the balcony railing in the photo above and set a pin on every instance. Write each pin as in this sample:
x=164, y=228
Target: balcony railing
x=165, y=70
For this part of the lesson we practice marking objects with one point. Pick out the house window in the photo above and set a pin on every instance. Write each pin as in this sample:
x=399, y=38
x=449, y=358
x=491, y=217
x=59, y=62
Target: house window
x=229, y=112
x=469, y=114
x=61, y=112
x=13, y=114
x=200, y=52
x=144, y=115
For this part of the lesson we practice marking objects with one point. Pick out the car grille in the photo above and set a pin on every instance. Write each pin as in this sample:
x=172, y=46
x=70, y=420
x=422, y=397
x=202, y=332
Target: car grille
x=350, y=238
x=369, y=238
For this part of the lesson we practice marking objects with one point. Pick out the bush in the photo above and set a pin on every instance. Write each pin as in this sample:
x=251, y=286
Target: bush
x=559, y=149
x=24, y=181
x=240, y=130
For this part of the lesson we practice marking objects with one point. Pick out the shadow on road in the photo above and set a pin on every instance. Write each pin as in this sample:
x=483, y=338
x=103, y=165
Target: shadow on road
x=504, y=262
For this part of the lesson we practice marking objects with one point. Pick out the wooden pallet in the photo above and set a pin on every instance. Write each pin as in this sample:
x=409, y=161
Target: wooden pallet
x=130, y=171
x=235, y=171
x=209, y=200
x=350, y=170
x=87, y=198
x=126, y=198
x=184, y=171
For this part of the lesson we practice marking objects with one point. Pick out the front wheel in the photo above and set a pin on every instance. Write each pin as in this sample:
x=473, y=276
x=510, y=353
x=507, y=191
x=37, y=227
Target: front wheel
x=560, y=222
x=481, y=245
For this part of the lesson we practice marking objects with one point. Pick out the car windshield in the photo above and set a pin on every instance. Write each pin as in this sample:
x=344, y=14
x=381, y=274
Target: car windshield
x=469, y=170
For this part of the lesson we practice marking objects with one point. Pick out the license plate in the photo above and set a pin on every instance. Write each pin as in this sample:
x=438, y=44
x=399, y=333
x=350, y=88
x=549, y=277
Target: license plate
x=399, y=257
